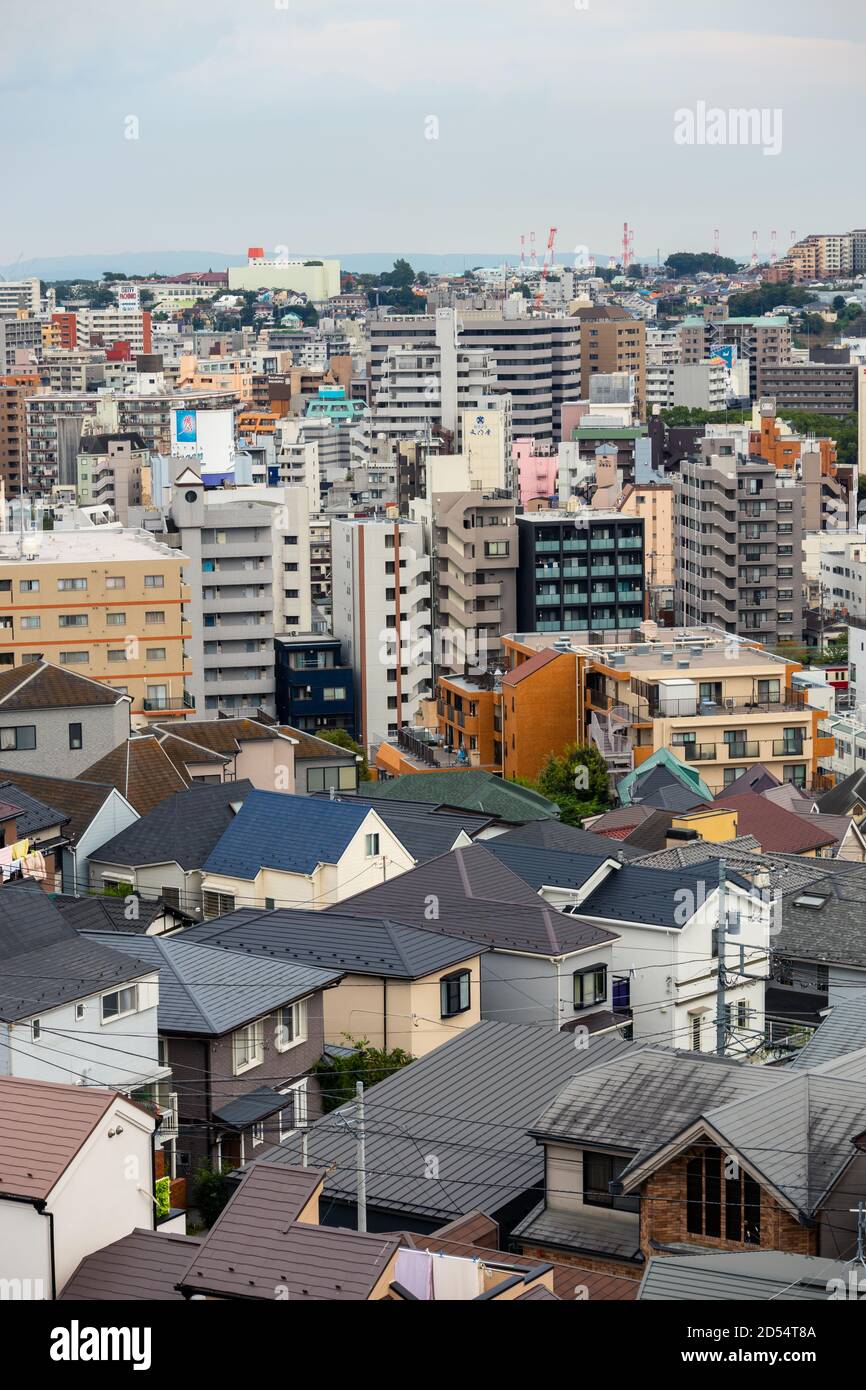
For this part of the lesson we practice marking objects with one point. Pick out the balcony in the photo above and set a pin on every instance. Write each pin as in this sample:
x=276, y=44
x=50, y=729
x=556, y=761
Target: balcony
x=739, y=751
x=698, y=752
x=547, y=571
x=184, y=701
x=576, y=571
x=631, y=542
x=782, y=748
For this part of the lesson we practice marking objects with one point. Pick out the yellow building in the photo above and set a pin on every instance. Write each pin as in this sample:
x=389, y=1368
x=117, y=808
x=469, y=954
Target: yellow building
x=105, y=601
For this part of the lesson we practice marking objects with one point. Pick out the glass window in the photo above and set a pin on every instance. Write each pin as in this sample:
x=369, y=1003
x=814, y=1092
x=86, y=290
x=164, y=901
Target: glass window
x=115, y=619
x=291, y=1026
x=17, y=738
x=599, y=1171
x=154, y=581
x=454, y=993
x=76, y=736
x=119, y=1002
x=247, y=1047
x=371, y=845
x=590, y=986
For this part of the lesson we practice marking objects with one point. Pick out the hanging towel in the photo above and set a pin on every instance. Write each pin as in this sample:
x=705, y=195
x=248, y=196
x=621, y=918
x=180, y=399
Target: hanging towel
x=6, y=855
x=414, y=1270
x=20, y=849
x=455, y=1278
x=34, y=865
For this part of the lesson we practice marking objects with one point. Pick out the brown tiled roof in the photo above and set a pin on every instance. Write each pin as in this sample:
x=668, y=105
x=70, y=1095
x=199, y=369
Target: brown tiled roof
x=219, y=735
x=38, y=685
x=308, y=746
x=141, y=770
x=142, y=1265
x=529, y=667
x=475, y=1228
x=776, y=829
x=258, y=1245
x=77, y=799
x=567, y=1279
x=43, y=1125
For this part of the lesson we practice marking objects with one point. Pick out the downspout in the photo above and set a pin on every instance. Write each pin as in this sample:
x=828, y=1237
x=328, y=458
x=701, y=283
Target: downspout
x=557, y=1003
x=385, y=1013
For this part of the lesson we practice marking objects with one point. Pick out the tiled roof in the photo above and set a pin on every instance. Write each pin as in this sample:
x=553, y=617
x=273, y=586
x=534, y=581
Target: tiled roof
x=310, y=747
x=102, y=913
x=141, y=770
x=31, y=814
x=42, y=1127
x=841, y=1032
x=223, y=736
x=142, y=1265
x=469, y=790
x=774, y=827
x=552, y=834
x=182, y=828
x=756, y=778
x=77, y=801
x=749, y=1276
x=39, y=685
x=530, y=666
x=422, y=829
x=293, y=834
x=839, y=800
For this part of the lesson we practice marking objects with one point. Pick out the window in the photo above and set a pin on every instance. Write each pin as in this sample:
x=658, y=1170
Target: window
x=454, y=993
x=371, y=845
x=599, y=1171
x=155, y=653
x=154, y=581
x=292, y=1025
x=27, y=623
x=590, y=986
x=247, y=1047
x=18, y=739
x=115, y=581
x=154, y=615
x=76, y=736
x=258, y=1133
x=709, y=1191
x=36, y=1029
x=494, y=548
x=72, y=620
x=334, y=692
x=66, y=584
x=119, y=1002
x=74, y=658
x=321, y=779
x=215, y=904
x=79, y=1012
x=297, y=1115
x=117, y=653
x=115, y=619
x=29, y=586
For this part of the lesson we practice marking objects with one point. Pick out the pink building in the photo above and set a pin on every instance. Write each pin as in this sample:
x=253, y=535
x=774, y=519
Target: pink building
x=536, y=472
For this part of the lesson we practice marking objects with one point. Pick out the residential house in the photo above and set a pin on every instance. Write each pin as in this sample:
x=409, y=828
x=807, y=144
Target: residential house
x=233, y=750
x=56, y=721
x=778, y=830
x=426, y=829
x=470, y=789
x=654, y=1151
x=93, y=812
x=401, y=986
x=321, y=766
x=541, y=967
x=293, y=851
x=163, y=854
x=66, y=1187
x=240, y=1034
x=142, y=1265
x=467, y=1105
x=141, y=770
x=22, y=817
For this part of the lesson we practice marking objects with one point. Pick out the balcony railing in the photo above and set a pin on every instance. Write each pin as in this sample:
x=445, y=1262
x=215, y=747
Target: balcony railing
x=184, y=701
x=782, y=748
x=738, y=751
x=698, y=752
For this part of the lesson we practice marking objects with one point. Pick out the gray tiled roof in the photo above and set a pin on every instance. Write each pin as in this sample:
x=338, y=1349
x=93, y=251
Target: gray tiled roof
x=596, y=1230
x=469, y=1103
x=183, y=828
x=839, y=799
x=739, y=855
x=360, y=945
x=834, y=932
x=32, y=814
x=552, y=834
x=205, y=991
x=424, y=830
x=842, y=1031
x=101, y=913
x=740, y=1276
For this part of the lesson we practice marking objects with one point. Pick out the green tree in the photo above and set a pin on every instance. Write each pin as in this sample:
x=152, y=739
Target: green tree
x=344, y=740
x=212, y=1190
x=695, y=262
x=576, y=780
x=339, y=1075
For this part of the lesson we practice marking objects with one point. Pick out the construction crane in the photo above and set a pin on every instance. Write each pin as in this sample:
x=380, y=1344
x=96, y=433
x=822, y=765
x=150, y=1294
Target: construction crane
x=522, y=251
x=627, y=246
x=533, y=259
x=773, y=251
x=548, y=262
x=754, y=250
x=716, y=241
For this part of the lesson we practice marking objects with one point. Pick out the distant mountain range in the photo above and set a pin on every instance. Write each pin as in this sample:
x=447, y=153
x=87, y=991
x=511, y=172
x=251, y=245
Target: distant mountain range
x=91, y=267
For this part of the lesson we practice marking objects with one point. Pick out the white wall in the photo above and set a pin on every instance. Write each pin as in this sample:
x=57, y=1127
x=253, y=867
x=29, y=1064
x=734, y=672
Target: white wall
x=116, y=1054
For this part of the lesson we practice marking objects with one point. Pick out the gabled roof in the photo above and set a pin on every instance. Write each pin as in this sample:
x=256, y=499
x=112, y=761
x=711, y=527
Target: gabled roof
x=141, y=770
x=307, y=746
x=530, y=666
x=842, y=1031
x=258, y=1245
x=43, y=1126
x=79, y=802
x=636, y=833
x=774, y=827
x=184, y=827
x=478, y=898
x=791, y=798
x=750, y=1276
x=103, y=913
x=223, y=736
x=291, y=834
x=210, y=992
x=142, y=1265
x=552, y=834
x=356, y=944
x=469, y=1102
x=742, y=856
x=666, y=793
x=756, y=778
x=31, y=814
x=470, y=790
x=839, y=800
x=635, y=784
x=39, y=685
x=45, y=962
x=825, y=920
x=422, y=829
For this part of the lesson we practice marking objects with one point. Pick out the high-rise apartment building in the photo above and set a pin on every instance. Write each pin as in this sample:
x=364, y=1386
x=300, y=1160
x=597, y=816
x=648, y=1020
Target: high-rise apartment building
x=474, y=549
x=580, y=571
x=14, y=389
x=612, y=340
x=766, y=342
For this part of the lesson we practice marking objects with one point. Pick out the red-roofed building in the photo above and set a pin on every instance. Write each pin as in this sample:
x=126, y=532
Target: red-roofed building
x=779, y=831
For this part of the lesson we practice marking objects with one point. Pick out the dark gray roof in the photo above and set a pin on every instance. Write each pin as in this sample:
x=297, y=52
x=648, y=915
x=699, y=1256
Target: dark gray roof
x=541, y=867
x=255, y=1105
x=360, y=945
x=142, y=1265
x=839, y=799
x=756, y=778
x=45, y=962
x=205, y=991
x=105, y=912
x=424, y=830
x=182, y=828
x=478, y=898
x=740, y=1276
x=258, y=1245
x=469, y=1103
x=841, y=1032
x=661, y=788
x=743, y=856
x=595, y=1230
x=552, y=834
x=832, y=931
x=32, y=815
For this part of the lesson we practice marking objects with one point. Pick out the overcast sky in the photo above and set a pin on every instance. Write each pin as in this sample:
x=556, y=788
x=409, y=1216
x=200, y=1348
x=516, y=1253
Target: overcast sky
x=300, y=124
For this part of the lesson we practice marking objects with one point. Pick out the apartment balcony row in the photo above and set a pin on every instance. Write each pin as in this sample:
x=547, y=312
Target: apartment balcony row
x=169, y=702
x=751, y=750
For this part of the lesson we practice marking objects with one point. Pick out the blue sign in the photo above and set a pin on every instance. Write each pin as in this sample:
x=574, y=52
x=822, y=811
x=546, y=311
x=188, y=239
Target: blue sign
x=185, y=426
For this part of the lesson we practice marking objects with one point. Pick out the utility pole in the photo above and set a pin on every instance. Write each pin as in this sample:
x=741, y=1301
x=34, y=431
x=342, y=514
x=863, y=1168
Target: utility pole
x=720, y=975
x=362, y=1157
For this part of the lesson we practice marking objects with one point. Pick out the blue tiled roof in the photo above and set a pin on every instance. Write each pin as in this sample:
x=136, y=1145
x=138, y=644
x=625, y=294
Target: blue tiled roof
x=277, y=831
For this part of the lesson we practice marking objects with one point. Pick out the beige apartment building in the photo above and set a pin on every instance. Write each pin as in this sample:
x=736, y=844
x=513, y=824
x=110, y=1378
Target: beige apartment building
x=106, y=602
x=714, y=700
x=612, y=340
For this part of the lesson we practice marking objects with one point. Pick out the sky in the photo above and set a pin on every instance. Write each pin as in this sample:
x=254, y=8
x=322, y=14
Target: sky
x=437, y=126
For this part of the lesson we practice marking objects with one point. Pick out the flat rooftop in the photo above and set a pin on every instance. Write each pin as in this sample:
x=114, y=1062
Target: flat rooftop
x=94, y=543
x=705, y=648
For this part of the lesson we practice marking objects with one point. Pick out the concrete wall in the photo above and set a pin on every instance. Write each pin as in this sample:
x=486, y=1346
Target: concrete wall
x=103, y=727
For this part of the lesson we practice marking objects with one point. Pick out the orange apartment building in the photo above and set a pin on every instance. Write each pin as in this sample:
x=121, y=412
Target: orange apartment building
x=14, y=389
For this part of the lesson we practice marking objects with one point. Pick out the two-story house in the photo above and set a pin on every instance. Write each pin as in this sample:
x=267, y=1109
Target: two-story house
x=240, y=1034
x=69, y=816
x=56, y=722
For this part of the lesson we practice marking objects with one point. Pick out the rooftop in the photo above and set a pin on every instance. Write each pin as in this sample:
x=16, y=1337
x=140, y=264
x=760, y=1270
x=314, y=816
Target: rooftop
x=93, y=544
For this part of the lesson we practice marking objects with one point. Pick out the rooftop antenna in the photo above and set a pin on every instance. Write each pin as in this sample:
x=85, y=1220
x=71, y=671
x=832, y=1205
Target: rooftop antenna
x=716, y=242
x=533, y=258
x=754, y=250
x=773, y=250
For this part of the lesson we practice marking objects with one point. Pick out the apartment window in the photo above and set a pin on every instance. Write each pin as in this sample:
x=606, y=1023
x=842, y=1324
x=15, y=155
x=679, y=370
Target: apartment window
x=710, y=1192
x=599, y=1171
x=115, y=619
x=371, y=845
x=334, y=692
x=72, y=620
x=115, y=581
x=76, y=736
x=117, y=653
x=154, y=615
x=248, y=1048
x=796, y=773
x=29, y=586
x=298, y=1114
x=590, y=986
x=321, y=779
x=66, y=584
x=155, y=653
x=27, y=623
x=454, y=993
x=119, y=1002
x=154, y=581
x=216, y=904
x=292, y=1026
x=495, y=548
x=74, y=658
x=16, y=740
